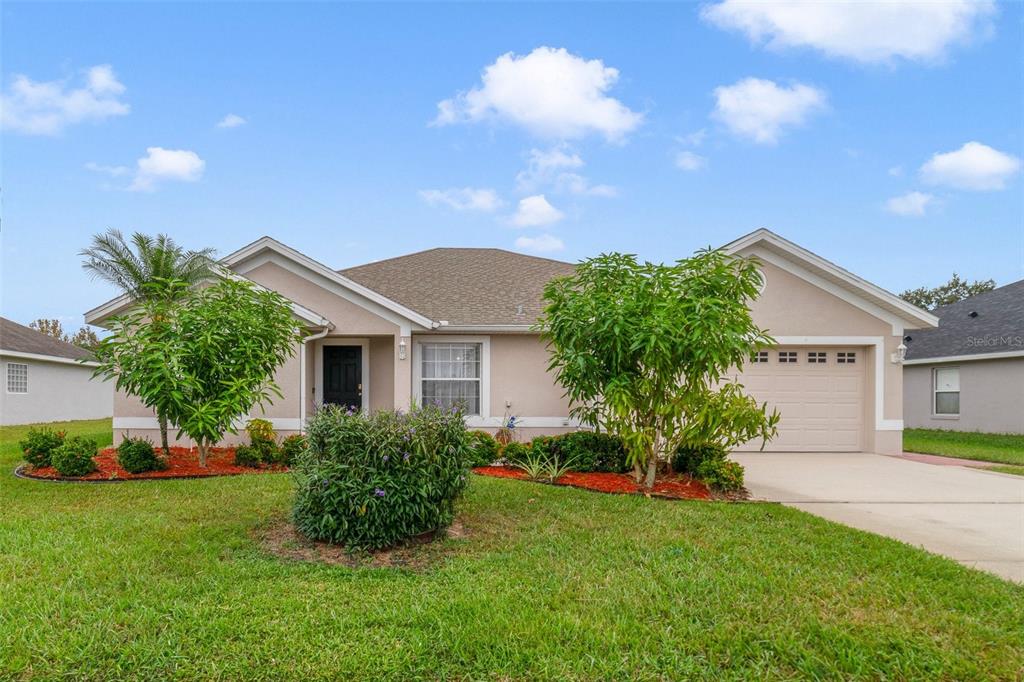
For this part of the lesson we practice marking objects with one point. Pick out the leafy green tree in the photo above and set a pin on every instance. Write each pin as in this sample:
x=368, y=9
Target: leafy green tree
x=208, y=361
x=644, y=351
x=954, y=290
x=83, y=338
x=144, y=269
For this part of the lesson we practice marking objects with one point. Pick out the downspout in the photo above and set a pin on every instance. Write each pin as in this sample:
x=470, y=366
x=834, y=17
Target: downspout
x=302, y=374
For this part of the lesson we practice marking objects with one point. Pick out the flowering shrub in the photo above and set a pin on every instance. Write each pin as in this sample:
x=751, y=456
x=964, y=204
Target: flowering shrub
x=74, y=457
x=136, y=455
x=39, y=444
x=721, y=474
x=371, y=481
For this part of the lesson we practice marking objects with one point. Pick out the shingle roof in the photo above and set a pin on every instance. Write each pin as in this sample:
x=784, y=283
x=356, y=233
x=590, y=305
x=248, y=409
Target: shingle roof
x=998, y=326
x=464, y=286
x=21, y=339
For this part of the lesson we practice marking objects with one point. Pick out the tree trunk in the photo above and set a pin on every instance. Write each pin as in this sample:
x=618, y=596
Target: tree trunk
x=201, y=444
x=162, y=418
x=652, y=470
x=637, y=471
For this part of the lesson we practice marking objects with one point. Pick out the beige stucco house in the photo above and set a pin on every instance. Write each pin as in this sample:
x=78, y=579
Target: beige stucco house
x=454, y=324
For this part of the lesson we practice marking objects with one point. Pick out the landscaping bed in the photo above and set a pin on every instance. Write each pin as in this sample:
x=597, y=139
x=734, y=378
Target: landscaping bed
x=183, y=463
x=678, y=487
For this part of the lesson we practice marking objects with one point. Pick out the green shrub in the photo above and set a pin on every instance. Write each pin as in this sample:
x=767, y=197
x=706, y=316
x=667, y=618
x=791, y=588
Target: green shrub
x=515, y=451
x=260, y=431
x=136, y=455
x=371, y=481
x=689, y=458
x=248, y=456
x=39, y=444
x=291, y=448
x=74, y=456
x=593, y=451
x=721, y=474
x=484, y=448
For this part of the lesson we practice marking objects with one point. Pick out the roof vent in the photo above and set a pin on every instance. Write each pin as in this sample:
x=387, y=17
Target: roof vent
x=973, y=313
x=908, y=339
x=519, y=309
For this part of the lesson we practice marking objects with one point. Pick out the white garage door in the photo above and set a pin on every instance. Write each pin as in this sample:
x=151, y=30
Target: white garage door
x=818, y=392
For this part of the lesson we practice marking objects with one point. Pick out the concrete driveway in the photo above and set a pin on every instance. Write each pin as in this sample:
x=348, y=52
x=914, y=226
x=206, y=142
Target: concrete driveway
x=973, y=516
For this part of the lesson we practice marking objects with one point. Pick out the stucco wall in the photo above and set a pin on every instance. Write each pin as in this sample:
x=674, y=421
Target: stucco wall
x=56, y=392
x=991, y=397
x=519, y=375
x=382, y=373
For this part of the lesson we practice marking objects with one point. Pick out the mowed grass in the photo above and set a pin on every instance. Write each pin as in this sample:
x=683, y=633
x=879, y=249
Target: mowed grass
x=164, y=580
x=985, y=447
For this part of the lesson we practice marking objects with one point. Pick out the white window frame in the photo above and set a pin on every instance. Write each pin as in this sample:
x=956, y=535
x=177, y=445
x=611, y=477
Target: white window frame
x=485, y=368
x=936, y=392
x=7, y=377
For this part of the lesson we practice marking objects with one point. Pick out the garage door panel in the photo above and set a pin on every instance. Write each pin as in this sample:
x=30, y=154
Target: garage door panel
x=821, y=405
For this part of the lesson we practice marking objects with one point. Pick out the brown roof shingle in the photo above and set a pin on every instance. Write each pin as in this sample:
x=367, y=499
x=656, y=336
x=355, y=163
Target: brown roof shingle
x=464, y=286
x=19, y=338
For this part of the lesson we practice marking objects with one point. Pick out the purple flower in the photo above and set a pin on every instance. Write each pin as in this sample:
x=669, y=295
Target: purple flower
x=406, y=457
x=385, y=458
x=378, y=492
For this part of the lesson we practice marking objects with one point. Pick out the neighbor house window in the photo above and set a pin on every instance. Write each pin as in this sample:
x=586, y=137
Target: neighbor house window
x=760, y=357
x=450, y=375
x=816, y=357
x=787, y=356
x=17, y=378
x=947, y=390
x=846, y=357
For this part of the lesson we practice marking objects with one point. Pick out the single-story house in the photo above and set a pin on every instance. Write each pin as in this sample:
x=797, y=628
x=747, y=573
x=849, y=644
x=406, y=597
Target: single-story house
x=45, y=380
x=454, y=324
x=968, y=374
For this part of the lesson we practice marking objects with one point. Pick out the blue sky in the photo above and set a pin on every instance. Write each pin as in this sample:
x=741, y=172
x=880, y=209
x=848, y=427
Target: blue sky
x=649, y=128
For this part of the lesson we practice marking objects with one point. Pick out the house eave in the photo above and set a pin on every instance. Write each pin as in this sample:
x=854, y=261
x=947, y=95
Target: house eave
x=938, y=360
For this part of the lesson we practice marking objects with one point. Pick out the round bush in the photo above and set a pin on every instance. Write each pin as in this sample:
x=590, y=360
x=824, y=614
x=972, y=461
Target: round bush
x=39, y=444
x=484, y=448
x=248, y=456
x=372, y=481
x=74, y=457
x=136, y=455
x=721, y=474
x=260, y=431
x=515, y=451
x=688, y=458
x=291, y=448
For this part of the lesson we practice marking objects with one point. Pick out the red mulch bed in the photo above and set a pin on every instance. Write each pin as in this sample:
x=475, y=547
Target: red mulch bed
x=184, y=463
x=679, y=487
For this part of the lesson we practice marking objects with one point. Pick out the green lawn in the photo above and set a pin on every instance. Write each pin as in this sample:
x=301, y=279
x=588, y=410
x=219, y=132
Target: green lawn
x=157, y=580
x=985, y=447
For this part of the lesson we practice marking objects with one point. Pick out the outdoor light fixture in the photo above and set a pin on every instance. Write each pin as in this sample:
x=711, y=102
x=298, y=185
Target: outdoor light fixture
x=900, y=355
x=401, y=349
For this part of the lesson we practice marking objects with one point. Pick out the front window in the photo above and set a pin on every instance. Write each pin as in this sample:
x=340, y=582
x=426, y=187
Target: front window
x=451, y=375
x=947, y=391
x=17, y=377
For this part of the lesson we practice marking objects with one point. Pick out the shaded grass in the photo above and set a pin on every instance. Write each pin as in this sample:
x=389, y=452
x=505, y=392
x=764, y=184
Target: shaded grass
x=984, y=447
x=162, y=579
x=1008, y=469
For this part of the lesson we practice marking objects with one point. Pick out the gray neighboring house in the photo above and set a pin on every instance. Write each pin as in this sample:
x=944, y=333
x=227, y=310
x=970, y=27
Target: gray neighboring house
x=44, y=380
x=968, y=374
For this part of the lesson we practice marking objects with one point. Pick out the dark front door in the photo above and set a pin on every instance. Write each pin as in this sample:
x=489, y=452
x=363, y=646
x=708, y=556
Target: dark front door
x=343, y=376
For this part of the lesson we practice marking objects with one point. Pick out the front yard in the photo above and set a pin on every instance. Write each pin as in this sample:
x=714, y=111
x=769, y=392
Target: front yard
x=986, y=447
x=163, y=579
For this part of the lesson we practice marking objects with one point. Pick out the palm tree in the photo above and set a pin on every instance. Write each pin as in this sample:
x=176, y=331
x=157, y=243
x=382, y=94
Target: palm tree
x=143, y=269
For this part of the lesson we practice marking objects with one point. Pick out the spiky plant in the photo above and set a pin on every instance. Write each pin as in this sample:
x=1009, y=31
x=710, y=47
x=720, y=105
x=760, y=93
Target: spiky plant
x=143, y=268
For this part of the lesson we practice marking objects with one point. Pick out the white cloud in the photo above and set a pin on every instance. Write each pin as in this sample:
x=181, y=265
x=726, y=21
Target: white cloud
x=910, y=204
x=761, y=109
x=694, y=139
x=231, y=121
x=112, y=171
x=161, y=165
x=534, y=211
x=463, y=198
x=974, y=166
x=46, y=108
x=550, y=92
x=896, y=171
x=544, y=243
x=548, y=168
x=688, y=161
x=870, y=32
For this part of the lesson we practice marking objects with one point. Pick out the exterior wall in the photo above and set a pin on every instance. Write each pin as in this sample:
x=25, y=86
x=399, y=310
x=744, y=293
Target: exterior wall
x=520, y=382
x=790, y=306
x=382, y=373
x=56, y=392
x=991, y=397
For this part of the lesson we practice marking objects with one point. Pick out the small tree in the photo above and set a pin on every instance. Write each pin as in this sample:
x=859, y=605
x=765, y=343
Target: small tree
x=83, y=338
x=954, y=290
x=643, y=351
x=205, y=360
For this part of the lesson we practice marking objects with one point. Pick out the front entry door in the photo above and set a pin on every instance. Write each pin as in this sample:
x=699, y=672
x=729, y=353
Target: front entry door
x=343, y=376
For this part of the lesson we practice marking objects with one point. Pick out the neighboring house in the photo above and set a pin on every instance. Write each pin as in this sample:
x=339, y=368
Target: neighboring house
x=454, y=325
x=44, y=380
x=968, y=375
